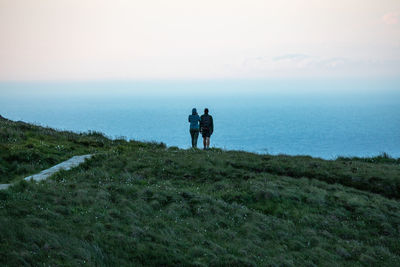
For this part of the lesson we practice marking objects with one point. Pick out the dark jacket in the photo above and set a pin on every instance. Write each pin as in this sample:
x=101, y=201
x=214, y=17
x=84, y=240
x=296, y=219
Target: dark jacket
x=206, y=121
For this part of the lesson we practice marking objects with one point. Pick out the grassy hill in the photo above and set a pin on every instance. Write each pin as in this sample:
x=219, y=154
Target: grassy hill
x=140, y=203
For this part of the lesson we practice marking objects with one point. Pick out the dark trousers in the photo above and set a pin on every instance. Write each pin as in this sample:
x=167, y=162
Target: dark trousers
x=194, y=133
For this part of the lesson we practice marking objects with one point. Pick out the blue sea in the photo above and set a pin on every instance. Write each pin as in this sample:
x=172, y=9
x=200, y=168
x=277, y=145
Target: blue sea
x=323, y=119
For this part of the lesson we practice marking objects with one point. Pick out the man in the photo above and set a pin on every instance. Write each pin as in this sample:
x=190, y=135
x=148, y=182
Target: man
x=206, y=128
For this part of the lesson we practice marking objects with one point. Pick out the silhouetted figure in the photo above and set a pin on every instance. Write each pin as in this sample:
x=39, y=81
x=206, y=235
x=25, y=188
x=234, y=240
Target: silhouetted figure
x=194, y=120
x=206, y=128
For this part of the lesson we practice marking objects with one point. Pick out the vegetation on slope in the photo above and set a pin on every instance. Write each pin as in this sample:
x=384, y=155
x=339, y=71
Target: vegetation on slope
x=26, y=149
x=144, y=204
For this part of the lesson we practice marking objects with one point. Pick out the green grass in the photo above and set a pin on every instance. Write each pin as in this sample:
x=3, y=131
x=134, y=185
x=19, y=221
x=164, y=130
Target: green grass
x=144, y=204
x=26, y=149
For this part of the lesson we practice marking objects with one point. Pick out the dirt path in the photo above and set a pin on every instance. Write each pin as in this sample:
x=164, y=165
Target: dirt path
x=66, y=165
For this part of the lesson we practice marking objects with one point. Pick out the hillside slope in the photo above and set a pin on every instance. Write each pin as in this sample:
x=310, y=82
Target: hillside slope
x=144, y=204
x=26, y=149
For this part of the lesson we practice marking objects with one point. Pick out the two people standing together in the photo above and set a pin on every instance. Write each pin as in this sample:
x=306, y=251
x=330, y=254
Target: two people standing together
x=204, y=125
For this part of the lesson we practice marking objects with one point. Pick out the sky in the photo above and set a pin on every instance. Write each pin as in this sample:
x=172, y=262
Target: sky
x=79, y=40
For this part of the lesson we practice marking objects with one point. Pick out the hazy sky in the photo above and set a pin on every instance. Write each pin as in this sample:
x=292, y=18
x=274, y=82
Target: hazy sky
x=208, y=39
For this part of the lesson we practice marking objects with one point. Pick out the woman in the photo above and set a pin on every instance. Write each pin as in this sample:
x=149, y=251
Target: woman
x=194, y=120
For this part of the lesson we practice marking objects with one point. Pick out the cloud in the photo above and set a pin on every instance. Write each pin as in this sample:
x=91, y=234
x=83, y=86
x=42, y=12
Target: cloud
x=294, y=62
x=308, y=65
x=391, y=18
x=295, y=57
x=282, y=61
x=332, y=63
x=303, y=65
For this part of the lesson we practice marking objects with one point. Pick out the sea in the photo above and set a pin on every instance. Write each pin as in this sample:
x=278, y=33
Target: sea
x=319, y=118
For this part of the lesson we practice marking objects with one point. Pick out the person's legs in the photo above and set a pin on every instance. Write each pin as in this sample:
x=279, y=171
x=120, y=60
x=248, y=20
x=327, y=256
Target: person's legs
x=192, y=136
x=206, y=137
x=194, y=139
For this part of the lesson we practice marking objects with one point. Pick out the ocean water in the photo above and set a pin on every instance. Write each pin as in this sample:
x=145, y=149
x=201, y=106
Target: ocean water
x=261, y=117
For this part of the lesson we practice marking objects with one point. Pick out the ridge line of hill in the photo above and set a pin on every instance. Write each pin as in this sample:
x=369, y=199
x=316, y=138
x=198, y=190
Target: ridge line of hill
x=25, y=145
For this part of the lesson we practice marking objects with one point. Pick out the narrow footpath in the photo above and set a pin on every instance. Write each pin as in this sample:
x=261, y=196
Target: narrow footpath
x=65, y=165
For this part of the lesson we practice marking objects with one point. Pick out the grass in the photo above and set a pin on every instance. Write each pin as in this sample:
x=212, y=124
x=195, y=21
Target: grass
x=26, y=149
x=145, y=204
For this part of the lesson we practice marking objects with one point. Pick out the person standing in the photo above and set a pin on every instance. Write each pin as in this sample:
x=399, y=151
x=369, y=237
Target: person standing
x=206, y=128
x=194, y=120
